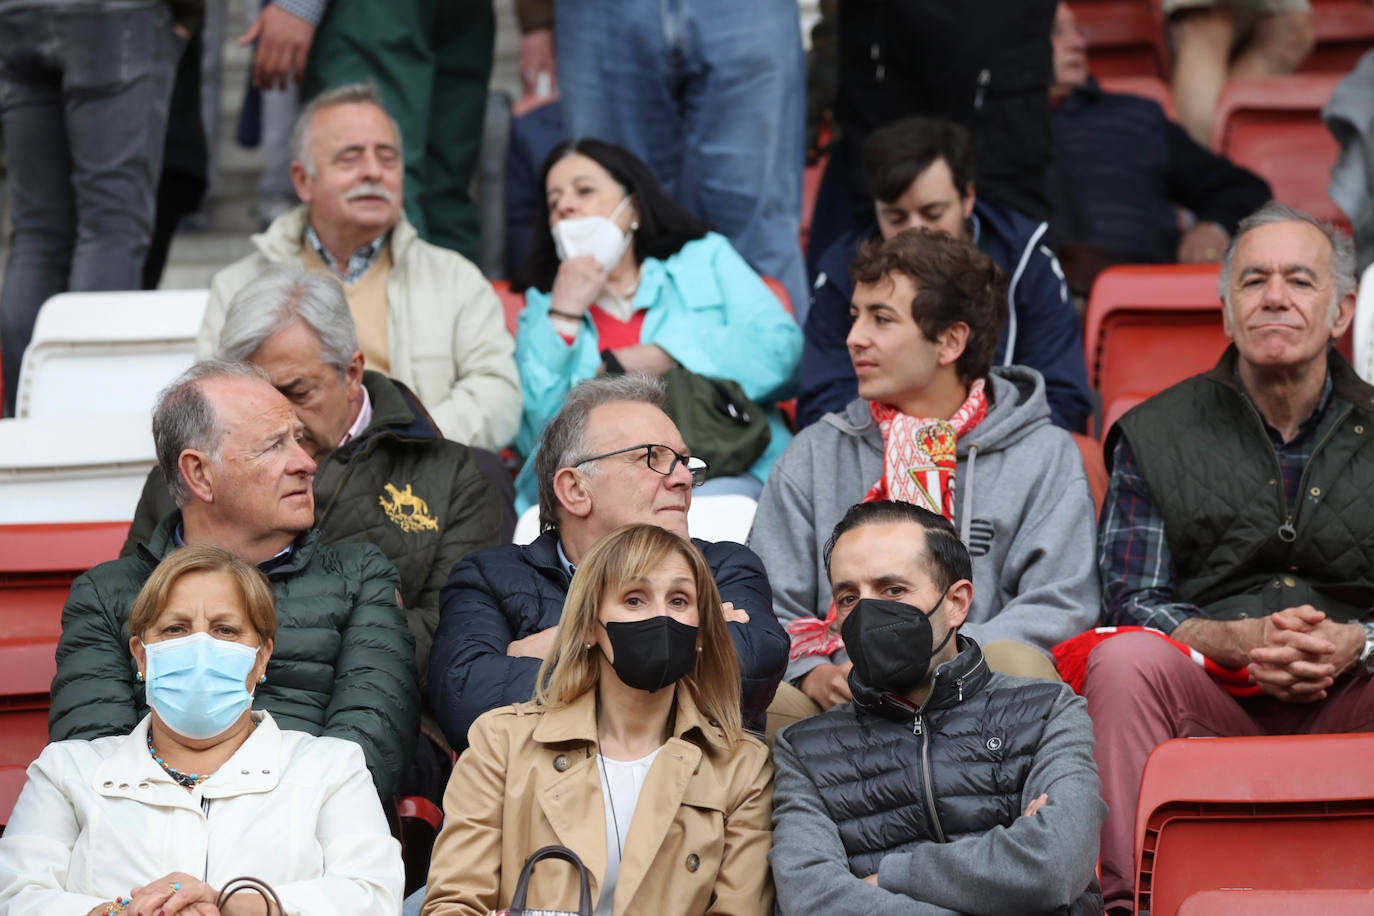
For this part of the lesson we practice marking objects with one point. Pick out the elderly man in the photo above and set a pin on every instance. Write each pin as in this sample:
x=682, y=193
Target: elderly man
x=944, y=786
x=1237, y=523
x=935, y=424
x=229, y=445
x=425, y=316
x=1121, y=169
x=610, y=457
x=384, y=475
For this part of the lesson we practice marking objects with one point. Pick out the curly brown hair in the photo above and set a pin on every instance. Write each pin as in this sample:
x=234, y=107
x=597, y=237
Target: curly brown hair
x=954, y=282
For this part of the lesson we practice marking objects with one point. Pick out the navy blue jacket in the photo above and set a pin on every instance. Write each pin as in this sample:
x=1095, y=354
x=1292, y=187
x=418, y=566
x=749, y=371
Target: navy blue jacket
x=497, y=596
x=1042, y=330
x=1121, y=169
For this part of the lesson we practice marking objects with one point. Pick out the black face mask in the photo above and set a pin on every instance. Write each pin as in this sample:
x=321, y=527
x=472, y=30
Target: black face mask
x=651, y=654
x=890, y=643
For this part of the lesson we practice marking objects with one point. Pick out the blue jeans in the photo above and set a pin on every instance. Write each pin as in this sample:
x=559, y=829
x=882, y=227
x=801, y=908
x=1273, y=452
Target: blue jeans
x=84, y=92
x=711, y=94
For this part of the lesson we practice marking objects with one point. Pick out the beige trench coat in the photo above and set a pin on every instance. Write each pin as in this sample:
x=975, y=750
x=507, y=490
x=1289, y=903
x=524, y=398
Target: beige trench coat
x=698, y=842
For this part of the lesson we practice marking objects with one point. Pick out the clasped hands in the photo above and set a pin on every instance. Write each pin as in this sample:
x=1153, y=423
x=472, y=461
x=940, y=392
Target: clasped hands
x=179, y=893
x=1302, y=652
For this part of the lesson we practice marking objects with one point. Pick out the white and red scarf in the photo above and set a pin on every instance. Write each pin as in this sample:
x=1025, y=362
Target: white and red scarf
x=919, y=458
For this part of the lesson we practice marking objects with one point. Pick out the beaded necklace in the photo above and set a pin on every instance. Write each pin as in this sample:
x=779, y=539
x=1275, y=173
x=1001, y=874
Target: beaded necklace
x=186, y=780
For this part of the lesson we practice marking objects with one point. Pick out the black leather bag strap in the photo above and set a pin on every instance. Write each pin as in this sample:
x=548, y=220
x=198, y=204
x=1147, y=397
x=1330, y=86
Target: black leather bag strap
x=584, y=905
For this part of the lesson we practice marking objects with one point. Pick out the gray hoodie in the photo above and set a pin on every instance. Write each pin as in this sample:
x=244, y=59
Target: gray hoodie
x=1022, y=506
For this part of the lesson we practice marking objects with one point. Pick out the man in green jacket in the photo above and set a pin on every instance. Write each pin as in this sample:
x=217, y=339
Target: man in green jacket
x=385, y=475
x=230, y=446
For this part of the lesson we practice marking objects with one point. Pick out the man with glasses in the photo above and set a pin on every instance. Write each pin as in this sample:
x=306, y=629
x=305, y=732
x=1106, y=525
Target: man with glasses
x=610, y=457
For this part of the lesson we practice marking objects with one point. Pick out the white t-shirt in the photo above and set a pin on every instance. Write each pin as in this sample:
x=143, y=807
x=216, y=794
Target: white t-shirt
x=621, y=781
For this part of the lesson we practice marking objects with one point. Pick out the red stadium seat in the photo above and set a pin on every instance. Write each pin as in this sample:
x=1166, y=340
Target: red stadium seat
x=1271, y=813
x=1125, y=37
x=1273, y=126
x=1250, y=902
x=1345, y=31
x=37, y=566
x=1093, y=465
x=1148, y=327
x=512, y=302
x=1150, y=87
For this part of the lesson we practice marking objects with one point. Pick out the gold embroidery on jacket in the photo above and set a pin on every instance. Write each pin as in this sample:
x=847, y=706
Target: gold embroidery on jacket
x=407, y=511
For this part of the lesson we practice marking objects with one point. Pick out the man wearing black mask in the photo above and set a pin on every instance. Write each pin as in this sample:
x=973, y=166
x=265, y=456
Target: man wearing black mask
x=943, y=786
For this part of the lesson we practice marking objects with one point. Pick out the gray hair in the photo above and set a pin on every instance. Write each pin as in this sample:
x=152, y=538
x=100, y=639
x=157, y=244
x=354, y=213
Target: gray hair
x=1342, y=251
x=280, y=296
x=564, y=441
x=184, y=418
x=350, y=94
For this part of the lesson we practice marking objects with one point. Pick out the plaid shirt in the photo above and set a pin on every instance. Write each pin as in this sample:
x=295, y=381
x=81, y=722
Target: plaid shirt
x=358, y=263
x=1132, y=550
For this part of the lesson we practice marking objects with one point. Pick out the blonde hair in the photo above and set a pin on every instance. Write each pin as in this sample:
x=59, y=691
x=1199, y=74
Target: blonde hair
x=628, y=553
x=259, y=602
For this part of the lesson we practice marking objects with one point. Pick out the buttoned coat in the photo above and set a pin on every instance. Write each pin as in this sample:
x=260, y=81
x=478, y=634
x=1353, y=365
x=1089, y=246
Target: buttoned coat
x=98, y=817
x=698, y=841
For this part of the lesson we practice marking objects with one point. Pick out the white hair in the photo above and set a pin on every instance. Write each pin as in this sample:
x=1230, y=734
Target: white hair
x=351, y=94
x=280, y=296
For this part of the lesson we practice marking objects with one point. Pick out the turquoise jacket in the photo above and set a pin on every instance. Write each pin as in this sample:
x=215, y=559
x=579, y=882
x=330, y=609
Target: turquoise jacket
x=706, y=307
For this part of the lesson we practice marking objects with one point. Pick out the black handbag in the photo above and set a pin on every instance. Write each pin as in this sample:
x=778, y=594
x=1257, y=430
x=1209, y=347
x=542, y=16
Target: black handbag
x=518, y=907
x=254, y=885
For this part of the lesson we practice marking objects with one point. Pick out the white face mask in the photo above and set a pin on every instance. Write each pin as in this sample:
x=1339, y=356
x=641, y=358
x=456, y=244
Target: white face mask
x=598, y=236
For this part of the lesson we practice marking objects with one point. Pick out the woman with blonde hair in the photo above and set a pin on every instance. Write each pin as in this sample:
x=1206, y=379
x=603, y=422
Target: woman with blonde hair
x=632, y=755
x=204, y=789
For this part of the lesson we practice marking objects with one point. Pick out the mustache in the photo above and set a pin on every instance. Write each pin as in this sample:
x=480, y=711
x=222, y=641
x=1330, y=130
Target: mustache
x=368, y=189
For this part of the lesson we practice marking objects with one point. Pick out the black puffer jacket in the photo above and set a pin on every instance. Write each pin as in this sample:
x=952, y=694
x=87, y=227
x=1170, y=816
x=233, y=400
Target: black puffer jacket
x=342, y=663
x=497, y=596
x=893, y=778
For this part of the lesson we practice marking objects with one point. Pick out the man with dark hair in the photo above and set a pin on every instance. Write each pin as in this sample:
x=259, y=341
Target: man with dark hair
x=932, y=412
x=609, y=457
x=229, y=445
x=944, y=786
x=1237, y=522
x=920, y=174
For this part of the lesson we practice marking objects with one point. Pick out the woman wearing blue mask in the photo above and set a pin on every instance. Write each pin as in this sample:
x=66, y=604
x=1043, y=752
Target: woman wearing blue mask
x=631, y=755
x=204, y=789
x=615, y=265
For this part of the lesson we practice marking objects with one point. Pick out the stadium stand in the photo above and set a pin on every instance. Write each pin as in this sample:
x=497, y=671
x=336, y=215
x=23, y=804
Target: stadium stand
x=1345, y=31
x=1269, y=813
x=1125, y=37
x=1250, y=902
x=1273, y=126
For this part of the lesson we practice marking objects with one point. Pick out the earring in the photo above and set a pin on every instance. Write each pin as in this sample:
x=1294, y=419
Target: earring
x=587, y=646
x=263, y=679
x=138, y=676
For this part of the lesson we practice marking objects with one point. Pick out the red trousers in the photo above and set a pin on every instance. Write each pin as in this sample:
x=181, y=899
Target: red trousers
x=1141, y=692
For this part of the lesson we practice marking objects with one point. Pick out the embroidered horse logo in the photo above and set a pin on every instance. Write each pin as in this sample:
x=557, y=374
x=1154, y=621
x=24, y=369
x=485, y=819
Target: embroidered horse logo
x=407, y=511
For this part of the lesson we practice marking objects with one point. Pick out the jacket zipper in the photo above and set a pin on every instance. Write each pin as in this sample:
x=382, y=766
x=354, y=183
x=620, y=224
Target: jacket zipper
x=918, y=728
x=1288, y=531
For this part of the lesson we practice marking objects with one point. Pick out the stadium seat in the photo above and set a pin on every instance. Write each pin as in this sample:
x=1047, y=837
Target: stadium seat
x=107, y=353
x=1148, y=327
x=1093, y=465
x=1345, y=31
x=1125, y=37
x=512, y=302
x=1250, y=902
x=1270, y=813
x=37, y=566
x=1273, y=126
x=1149, y=87
x=1362, y=331
x=89, y=469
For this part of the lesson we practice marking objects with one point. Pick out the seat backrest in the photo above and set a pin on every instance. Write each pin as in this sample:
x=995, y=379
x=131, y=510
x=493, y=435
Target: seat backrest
x=1345, y=31
x=1149, y=87
x=1278, y=812
x=1149, y=327
x=1238, y=901
x=95, y=353
x=1273, y=126
x=1093, y=465
x=1125, y=37
x=73, y=470
x=511, y=302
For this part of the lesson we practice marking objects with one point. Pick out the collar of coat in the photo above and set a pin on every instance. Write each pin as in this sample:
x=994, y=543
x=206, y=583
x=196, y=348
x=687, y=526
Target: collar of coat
x=131, y=772
x=576, y=722
x=163, y=541
x=953, y=682
x=282, y=240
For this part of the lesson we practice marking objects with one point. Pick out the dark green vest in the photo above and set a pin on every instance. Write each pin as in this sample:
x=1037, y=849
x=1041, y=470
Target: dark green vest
x=1238, y=548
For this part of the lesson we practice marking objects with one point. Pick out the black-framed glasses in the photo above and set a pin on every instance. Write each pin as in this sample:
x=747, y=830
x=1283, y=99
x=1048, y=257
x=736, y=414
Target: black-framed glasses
x=661, y=459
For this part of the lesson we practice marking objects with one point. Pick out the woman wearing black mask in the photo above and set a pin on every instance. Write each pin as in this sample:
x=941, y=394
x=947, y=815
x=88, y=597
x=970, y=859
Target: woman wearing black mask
x=632, y=755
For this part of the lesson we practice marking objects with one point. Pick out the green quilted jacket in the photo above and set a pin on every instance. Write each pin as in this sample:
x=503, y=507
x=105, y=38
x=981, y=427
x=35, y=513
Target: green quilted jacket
x=399, y=485
x=341, y=665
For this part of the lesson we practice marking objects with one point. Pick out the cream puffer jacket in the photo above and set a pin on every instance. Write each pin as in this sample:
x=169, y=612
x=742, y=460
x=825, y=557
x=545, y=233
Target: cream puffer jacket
x=97, y=818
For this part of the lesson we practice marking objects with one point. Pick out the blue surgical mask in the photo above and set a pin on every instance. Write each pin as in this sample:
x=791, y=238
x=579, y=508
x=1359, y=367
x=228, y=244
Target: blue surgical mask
x=196, y=683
